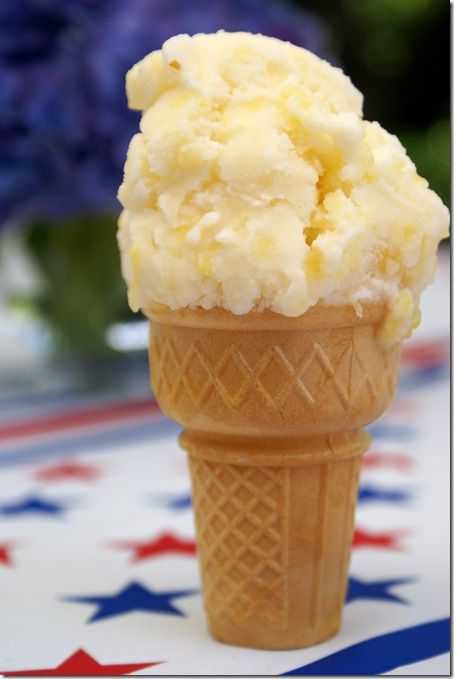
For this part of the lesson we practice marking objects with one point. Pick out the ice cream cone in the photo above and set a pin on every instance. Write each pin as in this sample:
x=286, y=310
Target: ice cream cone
x=273, y=408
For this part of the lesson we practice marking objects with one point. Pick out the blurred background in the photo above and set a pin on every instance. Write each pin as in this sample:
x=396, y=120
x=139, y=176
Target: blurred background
x=64, y=130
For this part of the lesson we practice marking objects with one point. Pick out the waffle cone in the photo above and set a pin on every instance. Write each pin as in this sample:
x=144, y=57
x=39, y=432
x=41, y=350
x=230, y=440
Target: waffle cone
x=273, y=409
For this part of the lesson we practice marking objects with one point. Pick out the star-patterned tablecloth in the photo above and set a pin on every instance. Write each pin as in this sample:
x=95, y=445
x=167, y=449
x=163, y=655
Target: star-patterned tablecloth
x=98, y=570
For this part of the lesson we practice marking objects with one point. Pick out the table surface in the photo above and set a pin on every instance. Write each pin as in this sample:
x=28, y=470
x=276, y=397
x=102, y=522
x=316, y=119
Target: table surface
x=98, y=573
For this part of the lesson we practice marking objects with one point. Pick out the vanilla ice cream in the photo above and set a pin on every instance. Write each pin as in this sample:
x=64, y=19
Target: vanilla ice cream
x=255, y=184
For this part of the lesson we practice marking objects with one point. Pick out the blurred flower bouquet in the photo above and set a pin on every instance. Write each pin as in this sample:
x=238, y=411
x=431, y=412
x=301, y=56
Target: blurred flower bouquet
x=64, y=129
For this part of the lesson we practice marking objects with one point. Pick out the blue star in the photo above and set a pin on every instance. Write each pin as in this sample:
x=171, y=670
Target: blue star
x=358, y=589
x=182, y=502
x=33, y=505
x=132, y=598
x=176, y=503
x=370, y=493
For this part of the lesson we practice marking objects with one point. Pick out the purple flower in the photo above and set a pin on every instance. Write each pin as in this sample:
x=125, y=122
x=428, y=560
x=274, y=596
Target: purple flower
x=64, y=123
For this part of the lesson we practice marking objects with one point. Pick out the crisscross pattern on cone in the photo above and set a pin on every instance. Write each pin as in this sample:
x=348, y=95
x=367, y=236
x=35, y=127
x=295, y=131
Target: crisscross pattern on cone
x=307, y=377
x=273, y=408
x=274, y=540
x=242, y=528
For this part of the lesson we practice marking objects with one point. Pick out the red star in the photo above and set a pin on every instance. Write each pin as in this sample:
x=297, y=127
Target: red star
x=164, y=544
x=398, y=461
x=5, y=553
x=362, y=538
x=68, y=470
x=82, y=664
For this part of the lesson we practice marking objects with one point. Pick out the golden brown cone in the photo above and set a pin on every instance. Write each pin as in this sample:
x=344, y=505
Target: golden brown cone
x=273, y=409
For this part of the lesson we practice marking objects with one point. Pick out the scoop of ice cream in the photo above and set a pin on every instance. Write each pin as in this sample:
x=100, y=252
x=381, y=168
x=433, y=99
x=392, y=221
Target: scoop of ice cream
x=255, y=184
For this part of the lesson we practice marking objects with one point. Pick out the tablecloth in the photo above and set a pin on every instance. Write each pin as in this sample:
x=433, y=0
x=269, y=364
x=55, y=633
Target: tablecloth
x=98, y=572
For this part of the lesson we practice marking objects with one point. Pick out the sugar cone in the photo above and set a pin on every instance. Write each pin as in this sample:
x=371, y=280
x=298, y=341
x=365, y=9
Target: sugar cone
x=273, y=409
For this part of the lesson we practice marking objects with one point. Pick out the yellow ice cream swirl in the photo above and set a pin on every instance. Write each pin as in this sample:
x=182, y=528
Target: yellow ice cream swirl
x=255, y=184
